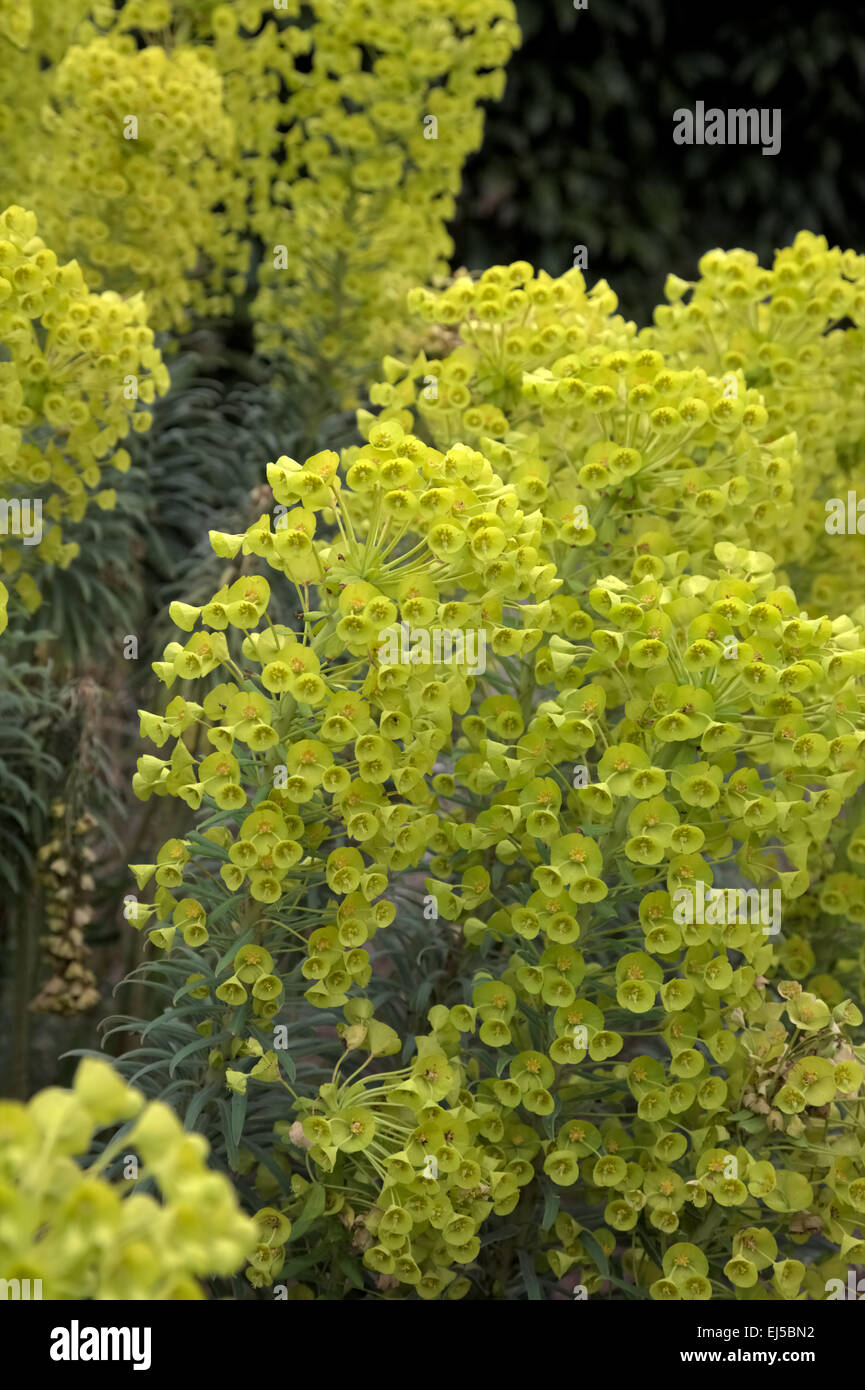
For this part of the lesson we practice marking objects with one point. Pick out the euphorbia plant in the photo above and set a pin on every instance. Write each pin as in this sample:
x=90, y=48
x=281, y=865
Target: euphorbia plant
x=796, y=332
x=639, y=1069
x=319, y=144
x=79, y=368
x=85, y=1237
x=739, y=414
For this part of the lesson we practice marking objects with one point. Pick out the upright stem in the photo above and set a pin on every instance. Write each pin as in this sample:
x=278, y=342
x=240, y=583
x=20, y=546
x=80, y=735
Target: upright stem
x=25, y=925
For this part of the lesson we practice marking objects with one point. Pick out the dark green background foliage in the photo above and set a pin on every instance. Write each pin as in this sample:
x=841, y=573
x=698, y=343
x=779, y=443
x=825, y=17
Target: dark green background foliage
x=68, y=699
x=580, y=150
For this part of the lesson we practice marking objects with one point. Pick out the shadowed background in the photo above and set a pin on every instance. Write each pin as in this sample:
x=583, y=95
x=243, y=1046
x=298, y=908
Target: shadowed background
x=580, y=150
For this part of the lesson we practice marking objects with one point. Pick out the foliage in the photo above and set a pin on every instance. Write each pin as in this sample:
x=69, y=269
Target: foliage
x=88, y=1238
x=64, y=407
x=28, y=764
x=319, y=140
x=739, y=413
x=362, y=186
x=797, y=333
x=500, y=868
x=629, y=746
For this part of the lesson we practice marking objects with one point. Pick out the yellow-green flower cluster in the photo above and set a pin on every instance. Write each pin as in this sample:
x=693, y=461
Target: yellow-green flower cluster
x=86, y=1237
x=797, y=333
x=325, y=744
x=80, y=367
x=34, y=35
x=508, y=321
x=153, y=140
x=352, y=202
x=826, y=945
x=137, y=155
x=621, y=805
x=427, y=1162
x=741, y=677
x=686, y=1273
x=16, y=21
x=622, y=449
